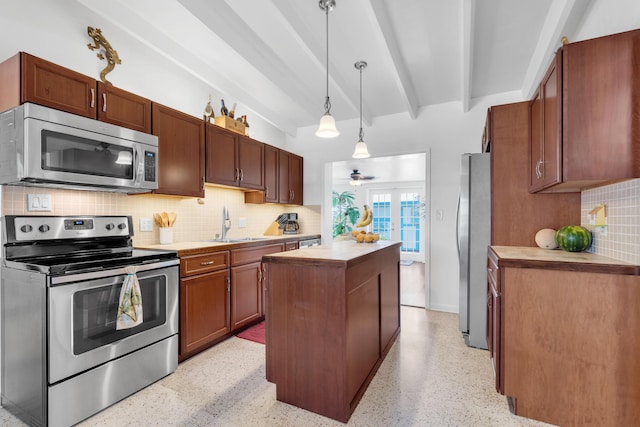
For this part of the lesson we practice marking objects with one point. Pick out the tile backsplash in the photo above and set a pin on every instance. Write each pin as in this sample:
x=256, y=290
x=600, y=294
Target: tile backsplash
x=622, y=238
x=197, y=219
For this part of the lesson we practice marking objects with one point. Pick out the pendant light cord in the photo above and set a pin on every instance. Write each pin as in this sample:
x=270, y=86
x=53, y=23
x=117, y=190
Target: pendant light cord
x=327, y=103
x=361, y=134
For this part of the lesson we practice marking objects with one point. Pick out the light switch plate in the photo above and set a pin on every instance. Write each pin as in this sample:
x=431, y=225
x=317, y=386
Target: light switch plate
x=146, y=224
x=242, y=222
x=39, y=202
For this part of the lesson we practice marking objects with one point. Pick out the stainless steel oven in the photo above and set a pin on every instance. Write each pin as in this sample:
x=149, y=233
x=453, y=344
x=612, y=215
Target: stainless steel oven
x=63, y=356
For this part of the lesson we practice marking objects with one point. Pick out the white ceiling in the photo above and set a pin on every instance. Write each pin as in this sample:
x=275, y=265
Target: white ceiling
x=269, y=55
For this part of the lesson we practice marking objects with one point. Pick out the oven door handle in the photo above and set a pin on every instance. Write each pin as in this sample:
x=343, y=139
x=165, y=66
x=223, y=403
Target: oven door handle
x=149, y=265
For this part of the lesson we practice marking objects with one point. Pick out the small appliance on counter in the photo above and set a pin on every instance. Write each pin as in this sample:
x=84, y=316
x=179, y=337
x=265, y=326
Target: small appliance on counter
x=290, y=224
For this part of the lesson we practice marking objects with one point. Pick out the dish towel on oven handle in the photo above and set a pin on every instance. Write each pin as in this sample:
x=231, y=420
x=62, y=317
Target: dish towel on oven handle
x=130, y=306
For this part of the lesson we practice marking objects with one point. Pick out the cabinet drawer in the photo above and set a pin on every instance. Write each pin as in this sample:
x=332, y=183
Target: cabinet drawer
x=198, y=264
x=244, y=256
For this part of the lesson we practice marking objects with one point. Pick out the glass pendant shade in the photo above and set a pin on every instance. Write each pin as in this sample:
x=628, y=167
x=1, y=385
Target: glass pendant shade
x=361, y=151
x=327, y=128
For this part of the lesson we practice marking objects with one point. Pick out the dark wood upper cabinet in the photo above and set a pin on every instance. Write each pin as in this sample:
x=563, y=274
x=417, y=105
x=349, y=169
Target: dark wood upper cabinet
x=26, y=78
x=122, y=108
x=290, y=175
x=181, y=152
x=546, y=129
x=233, y=160
x=271, y=162
x=600, y=114
x=44, y=83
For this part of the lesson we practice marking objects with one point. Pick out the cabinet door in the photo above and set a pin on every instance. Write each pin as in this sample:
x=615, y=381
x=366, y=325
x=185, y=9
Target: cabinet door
x=251, y=163
x=535, y=142
x=284, y=193
x=122, y=108
x=494, y=318
x=271, y=162
x=551, y=89
x=181, y=152
x=222, y=163
x=246, y=294
x=204, y=310
x=295, y=179
x=546, y=129
x=57, y=87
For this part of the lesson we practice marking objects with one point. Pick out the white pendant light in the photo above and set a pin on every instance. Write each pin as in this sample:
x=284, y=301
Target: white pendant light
x=124, y=158
x=327, y=128
x=361, y=151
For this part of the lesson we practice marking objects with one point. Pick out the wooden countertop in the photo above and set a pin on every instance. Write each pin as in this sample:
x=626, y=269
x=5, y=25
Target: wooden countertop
x=557, y=259
x=346, y=252
x=201, y=247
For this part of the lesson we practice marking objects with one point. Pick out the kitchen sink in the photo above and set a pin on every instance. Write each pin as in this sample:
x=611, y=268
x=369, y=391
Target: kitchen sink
x=236, y=240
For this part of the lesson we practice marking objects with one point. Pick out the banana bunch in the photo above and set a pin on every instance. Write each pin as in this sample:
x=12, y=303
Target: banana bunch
x=366, y=217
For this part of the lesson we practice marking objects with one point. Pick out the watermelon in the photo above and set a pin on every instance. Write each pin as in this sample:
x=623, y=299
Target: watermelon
x=573, y=238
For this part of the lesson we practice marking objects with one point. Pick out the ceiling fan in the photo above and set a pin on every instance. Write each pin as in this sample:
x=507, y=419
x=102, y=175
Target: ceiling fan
x=357, y=178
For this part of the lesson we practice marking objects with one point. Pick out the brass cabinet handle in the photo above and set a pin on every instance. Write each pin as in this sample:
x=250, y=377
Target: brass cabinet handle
x=93, y=98
x=104, y=102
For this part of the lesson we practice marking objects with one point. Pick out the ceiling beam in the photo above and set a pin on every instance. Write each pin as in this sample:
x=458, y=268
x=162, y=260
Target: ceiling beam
x=467, y=26
x=402, y=77
x=562, y=20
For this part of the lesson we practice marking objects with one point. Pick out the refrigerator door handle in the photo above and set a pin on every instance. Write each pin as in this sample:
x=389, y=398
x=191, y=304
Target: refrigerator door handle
x=458, y=226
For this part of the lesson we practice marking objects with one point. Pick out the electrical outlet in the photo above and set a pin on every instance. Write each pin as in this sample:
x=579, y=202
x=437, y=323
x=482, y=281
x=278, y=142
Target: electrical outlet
x=242, y=222
x=146, y=224
x=39, y=202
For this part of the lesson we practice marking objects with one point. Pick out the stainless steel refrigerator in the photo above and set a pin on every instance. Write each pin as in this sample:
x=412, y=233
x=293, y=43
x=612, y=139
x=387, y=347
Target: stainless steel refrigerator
x=474, y=236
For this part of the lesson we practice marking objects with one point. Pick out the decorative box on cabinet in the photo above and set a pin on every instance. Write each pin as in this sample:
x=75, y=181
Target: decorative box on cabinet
x=26, y=78
x=181, y=152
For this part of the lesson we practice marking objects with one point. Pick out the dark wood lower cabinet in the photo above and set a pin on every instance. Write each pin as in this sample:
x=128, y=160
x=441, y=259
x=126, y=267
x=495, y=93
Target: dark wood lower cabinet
x=204, y=310
x=246, y=294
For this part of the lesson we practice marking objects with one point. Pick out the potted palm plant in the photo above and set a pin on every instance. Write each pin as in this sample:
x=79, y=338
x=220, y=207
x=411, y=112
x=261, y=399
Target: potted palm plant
x=345, y=212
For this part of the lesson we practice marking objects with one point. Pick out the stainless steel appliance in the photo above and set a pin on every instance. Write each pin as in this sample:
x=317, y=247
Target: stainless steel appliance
x=474, y=236
x=63, y=359
x=44, y=146
x=307, y=243
x=291, y=225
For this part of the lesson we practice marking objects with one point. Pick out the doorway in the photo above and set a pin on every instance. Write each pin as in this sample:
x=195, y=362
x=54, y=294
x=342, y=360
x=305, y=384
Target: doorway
x=396, y=189
x=399, y=214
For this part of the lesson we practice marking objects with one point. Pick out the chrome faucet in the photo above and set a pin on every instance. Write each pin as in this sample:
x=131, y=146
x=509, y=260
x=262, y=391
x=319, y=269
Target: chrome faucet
x=226, y=222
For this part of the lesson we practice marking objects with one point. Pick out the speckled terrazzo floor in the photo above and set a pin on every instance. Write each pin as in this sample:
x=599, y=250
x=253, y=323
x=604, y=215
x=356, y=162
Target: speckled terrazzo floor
x=429, y=378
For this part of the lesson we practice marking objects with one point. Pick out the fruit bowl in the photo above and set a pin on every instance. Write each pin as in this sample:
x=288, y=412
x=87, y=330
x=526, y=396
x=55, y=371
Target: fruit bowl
x=362, y=236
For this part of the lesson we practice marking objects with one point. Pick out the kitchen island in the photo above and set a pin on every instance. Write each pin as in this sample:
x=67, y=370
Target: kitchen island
x=332, y=313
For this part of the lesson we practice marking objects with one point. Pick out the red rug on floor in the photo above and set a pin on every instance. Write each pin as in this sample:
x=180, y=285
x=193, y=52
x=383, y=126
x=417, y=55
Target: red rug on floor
x=255, y=333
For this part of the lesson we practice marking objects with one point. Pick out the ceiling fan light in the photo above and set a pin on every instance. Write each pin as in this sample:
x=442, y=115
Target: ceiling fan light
x=355, y=182
x=361, y=151
x=327, y=128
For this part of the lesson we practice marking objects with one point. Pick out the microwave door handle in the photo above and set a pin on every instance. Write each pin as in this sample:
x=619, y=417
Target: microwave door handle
x=138, y=165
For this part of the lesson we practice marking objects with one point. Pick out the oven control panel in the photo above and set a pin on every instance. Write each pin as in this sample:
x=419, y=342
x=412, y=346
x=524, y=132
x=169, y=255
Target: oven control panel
x=25, y=228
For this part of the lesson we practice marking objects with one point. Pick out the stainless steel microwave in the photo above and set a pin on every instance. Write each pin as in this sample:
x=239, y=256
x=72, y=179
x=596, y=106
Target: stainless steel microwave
x=47, y=147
